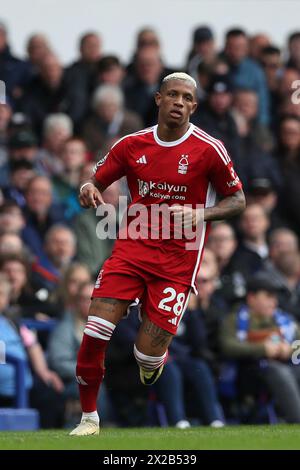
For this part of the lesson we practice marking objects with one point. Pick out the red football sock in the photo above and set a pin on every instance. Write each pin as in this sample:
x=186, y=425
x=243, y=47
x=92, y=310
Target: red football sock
x=90, y=371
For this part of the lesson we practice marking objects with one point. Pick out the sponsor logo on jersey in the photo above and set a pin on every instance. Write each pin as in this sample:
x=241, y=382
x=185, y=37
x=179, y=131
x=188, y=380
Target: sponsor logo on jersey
x=183, y=165
x=233, y=183
x=142, y=159
x=143, y=188
x=100, y=163
x=235, y=180
x=99, y=279
x=147, y=187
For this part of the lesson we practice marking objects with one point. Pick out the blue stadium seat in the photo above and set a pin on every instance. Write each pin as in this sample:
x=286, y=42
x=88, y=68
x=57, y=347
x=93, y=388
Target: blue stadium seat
x=20, y=418
x=39, y=325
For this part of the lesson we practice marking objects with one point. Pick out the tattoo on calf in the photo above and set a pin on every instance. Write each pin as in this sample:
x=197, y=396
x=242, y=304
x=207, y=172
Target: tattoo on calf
x=159, y=336
x=108, y=300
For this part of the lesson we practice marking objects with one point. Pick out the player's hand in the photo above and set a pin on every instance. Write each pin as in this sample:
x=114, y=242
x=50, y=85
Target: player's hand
x=186, y=217
x=53, y=380
x=272, y=349
x=90, y=196
x=285, y=350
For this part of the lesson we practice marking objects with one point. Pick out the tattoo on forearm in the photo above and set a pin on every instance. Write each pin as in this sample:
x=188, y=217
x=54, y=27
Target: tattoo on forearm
x=159, y=337
x=227, y=207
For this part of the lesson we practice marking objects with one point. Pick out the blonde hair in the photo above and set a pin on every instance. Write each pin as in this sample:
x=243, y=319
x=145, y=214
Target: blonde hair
x=180, y=76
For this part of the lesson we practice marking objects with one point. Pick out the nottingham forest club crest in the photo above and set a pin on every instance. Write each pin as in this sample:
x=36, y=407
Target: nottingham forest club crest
x=183, y=164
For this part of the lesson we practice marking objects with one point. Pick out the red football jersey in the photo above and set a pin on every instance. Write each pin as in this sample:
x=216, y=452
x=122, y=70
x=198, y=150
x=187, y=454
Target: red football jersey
x=191, y=170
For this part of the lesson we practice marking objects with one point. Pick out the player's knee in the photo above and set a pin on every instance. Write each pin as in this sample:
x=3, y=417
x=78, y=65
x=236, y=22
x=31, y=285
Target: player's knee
x=149, y=362
x=112, y=310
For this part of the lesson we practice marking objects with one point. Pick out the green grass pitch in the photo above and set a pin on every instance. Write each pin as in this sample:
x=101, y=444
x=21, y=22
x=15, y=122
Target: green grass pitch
x=198, y=438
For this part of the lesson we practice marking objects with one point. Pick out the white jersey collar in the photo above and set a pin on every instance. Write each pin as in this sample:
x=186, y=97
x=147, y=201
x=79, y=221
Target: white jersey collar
x=174, y=142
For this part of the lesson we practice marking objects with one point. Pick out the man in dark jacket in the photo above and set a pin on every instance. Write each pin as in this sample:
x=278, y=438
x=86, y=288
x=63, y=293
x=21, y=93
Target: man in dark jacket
x=14, y=72
x=261, y=339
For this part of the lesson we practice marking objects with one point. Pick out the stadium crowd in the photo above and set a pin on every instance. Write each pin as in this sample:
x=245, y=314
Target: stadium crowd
x=231, y=360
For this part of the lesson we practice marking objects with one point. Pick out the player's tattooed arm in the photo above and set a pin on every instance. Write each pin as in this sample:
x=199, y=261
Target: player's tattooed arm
x=90, y=193
x=228, y=207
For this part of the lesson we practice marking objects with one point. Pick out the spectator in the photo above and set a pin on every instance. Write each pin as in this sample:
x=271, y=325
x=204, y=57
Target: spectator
x=60, y=247
x=146, y=37
x=22, y=147
x=204, y=74
x=11, y=218
x=284, y=268
x=21, y=172
x=25, y=300
x=256, y=45
x=261, y=191
x=109, y=119
x=294, y=50
x=109, y=71
x=215, y=118
x=80, y=76
x=57, y=129
x=246, y=105
x=288, y=154
x=52, y=91
x=253, y=248
x=244, y=72
x=5, y=116
x=11, y=244
x=73, y=276
x=288, y=108
x=66, y=183
x=90, y=50
x=22, y=343
x=287, y=78
x=38, y=48
x=223, y=243
x=140, y=87
x=89, y=246
x=14, y=345
x=40, y=213
x=259, y=336
x=256, y=142
x=14, y=72
x=272, y=64
x=58, y=252
x=203, y=51
x=289, y=140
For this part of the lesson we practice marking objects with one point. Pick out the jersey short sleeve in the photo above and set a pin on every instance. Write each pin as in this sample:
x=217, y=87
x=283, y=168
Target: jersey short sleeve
x=112, y=166
x=221, y=172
